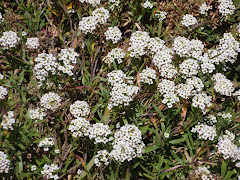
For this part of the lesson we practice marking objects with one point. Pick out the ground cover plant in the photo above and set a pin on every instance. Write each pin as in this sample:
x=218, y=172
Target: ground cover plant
x=114, y=89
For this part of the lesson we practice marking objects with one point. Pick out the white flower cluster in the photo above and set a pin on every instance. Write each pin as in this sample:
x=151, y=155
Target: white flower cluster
x=188, y=20
x=4, y=163
x=88, y=24
x=162, y=57
x=79, y=108
x=218, y=77
x=45, y=63
x=116, y=77
x=122, y=92
x=207, y=64
x=189, y=68
x=211, y=119
x=168, y=71
x=114, y=3
x=127, y=143
x=48, y=171
x=102, y=157
x=79, y=127
x=161, y=15
x=227, y=116
x=3, y=92
x=197, y=47
x=156, y=45
x=166, y=86
x=192, y=87
x=204, y=8
x=223, y=85
x=37, y=114
x=50, y=101
x=116, y=54
x=148, y=75
x=67, y=57
x=46, y=143
x=9, y=39
x=226, y=7
x=138, y=42
x=205, y=132
x=100, y=133
x=114, y=34
x=147, y=4
x=181, y=46
x=92, y=2
x=167, y=89
x=101, y=14
x=213, y=56
x=186, y=48
x=1, y=18
x=32, y=43
x=8, y=120
x=202, y=101
x=203, y=173
x=226, y=147
x=170, y=99
x=237, y=93
x=197, y=84
x=228, y=48
x=185, y=90
x=229, y=135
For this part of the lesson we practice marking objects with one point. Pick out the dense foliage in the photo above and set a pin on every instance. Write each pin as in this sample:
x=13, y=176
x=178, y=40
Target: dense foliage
x=114, y=89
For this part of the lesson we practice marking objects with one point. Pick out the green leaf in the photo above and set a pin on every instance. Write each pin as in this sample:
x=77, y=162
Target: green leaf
x=159, y=112
x=176, y=157
x=177, y=141
x=228, y=175
x=89, y=166
x=152, y=175
x=223, y=168
x=46, y=158
x=24, y=175
x=150, y=149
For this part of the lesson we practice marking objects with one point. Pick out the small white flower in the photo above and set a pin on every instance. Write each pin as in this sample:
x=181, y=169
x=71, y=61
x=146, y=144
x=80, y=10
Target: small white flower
x=147, y=4
x=24, y=33
x=33, y=168
x=79, y=171
x=57, y=151
x=166, y=135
